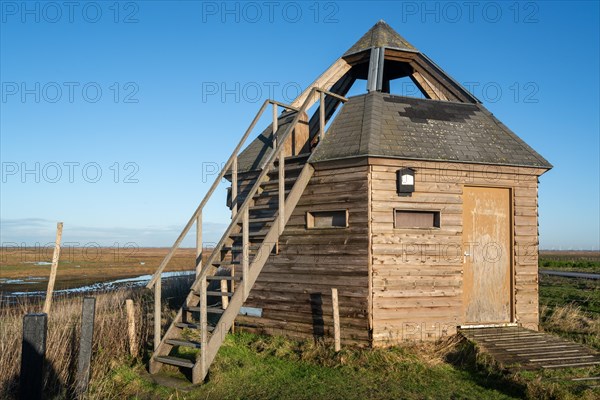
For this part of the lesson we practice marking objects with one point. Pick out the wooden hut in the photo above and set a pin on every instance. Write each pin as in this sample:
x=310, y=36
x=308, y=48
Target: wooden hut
x=421, y=212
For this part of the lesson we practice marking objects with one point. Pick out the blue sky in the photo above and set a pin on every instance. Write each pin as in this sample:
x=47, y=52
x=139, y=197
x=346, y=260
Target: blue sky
x=113, y=117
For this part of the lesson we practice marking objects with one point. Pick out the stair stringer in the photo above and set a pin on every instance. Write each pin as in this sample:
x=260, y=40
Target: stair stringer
x=240, y=296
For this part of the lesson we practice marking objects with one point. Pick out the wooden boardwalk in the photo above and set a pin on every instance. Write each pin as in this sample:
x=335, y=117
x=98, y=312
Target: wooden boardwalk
x=526, y=349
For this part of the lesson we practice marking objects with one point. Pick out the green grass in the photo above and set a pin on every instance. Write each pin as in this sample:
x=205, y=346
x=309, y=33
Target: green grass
x=571, y=308
x=574, y=261
x=572, y=266
x=256, y=367
x=559, y=291
x=262, y=367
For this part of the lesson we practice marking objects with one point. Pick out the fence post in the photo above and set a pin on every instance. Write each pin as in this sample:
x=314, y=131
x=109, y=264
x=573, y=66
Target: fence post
x=133, y=350
x=52, y=278
x=88, y=312
x=32, y=356
x=336, y=319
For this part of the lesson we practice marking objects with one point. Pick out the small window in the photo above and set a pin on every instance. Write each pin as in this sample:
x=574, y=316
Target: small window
x=416, y=219
x=327, y=219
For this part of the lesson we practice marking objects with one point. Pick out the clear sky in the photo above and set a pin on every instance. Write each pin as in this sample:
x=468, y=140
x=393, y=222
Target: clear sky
x=115, y=115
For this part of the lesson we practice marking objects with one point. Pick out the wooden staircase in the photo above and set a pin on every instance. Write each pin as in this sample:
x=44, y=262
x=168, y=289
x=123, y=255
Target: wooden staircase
x=259, y=216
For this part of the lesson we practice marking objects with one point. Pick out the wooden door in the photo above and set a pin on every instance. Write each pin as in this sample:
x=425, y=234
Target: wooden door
x=487, y=258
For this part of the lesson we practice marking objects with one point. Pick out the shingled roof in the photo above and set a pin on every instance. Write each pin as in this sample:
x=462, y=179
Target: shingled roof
x=383, y=125
x=380, y=35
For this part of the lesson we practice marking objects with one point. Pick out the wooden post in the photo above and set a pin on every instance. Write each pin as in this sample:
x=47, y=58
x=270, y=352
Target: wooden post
x=82, y=378
x=245, y=253
x=232, y=290
x=321, y=115
x=336, y=319
x=275, y=125
x=234, y=187
x=133, y=349
x=203, y=326
x=199, y=243
x=55, y=257
x=157, y=311
x=281, y=192
x=224, y=298
x=33, y=353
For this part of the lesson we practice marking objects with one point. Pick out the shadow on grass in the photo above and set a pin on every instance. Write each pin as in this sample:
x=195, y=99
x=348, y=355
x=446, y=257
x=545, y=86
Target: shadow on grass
x=483, y=370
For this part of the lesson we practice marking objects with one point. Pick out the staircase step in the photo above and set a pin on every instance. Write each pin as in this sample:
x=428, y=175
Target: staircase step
x=250, y=234
x=269, y=206
x=260, y=220
x=191, y=325
x=217, y=293
x=225, y=263
x=209, y=310
x=223, y=278
x=180, y=362
x=238, y=248
x=185, y=343
x=271, y=192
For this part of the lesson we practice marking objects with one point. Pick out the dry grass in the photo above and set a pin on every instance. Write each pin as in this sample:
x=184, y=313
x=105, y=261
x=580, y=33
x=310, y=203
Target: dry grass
x=570, y=318
x=110, y=343
x=571, y=322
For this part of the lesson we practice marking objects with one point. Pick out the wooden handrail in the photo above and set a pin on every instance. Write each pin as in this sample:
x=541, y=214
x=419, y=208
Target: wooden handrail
x=246, y=205
x=185, y=231
x=235, y=218
x=232, y=159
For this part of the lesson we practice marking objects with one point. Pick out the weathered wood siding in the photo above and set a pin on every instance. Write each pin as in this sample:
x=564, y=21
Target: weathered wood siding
x=417, y=273
x=294, y=288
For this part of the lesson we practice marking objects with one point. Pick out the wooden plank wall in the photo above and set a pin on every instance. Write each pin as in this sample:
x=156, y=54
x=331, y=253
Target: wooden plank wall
x=294, y=288
x=417, y=273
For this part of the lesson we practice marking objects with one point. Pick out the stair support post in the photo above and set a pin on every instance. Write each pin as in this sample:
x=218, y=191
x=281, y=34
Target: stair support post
x=234, y=187
x=245, y=252
x=203, y=332
x=157, y=311
x=198, y=244
x=281, y=192
x=275, y=125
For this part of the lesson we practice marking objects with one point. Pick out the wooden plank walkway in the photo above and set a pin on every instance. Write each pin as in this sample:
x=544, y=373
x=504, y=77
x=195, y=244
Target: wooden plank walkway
x=515, y=346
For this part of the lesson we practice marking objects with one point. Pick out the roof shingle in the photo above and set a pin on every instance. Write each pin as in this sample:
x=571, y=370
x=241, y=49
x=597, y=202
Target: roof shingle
x=422, y=129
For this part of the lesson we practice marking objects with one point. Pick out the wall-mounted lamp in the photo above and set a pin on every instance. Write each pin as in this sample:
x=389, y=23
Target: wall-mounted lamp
x=405, y=181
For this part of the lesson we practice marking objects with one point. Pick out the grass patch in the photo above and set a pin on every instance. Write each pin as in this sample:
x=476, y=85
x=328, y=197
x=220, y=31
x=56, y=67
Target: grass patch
x=259, y=367
x=572, y=261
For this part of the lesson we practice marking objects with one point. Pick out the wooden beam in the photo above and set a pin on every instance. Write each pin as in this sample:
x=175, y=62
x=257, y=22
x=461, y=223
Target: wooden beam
x=53, y=269
x=325, y=81
x=321, y=115
x=430, y=89
x=157, y=311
